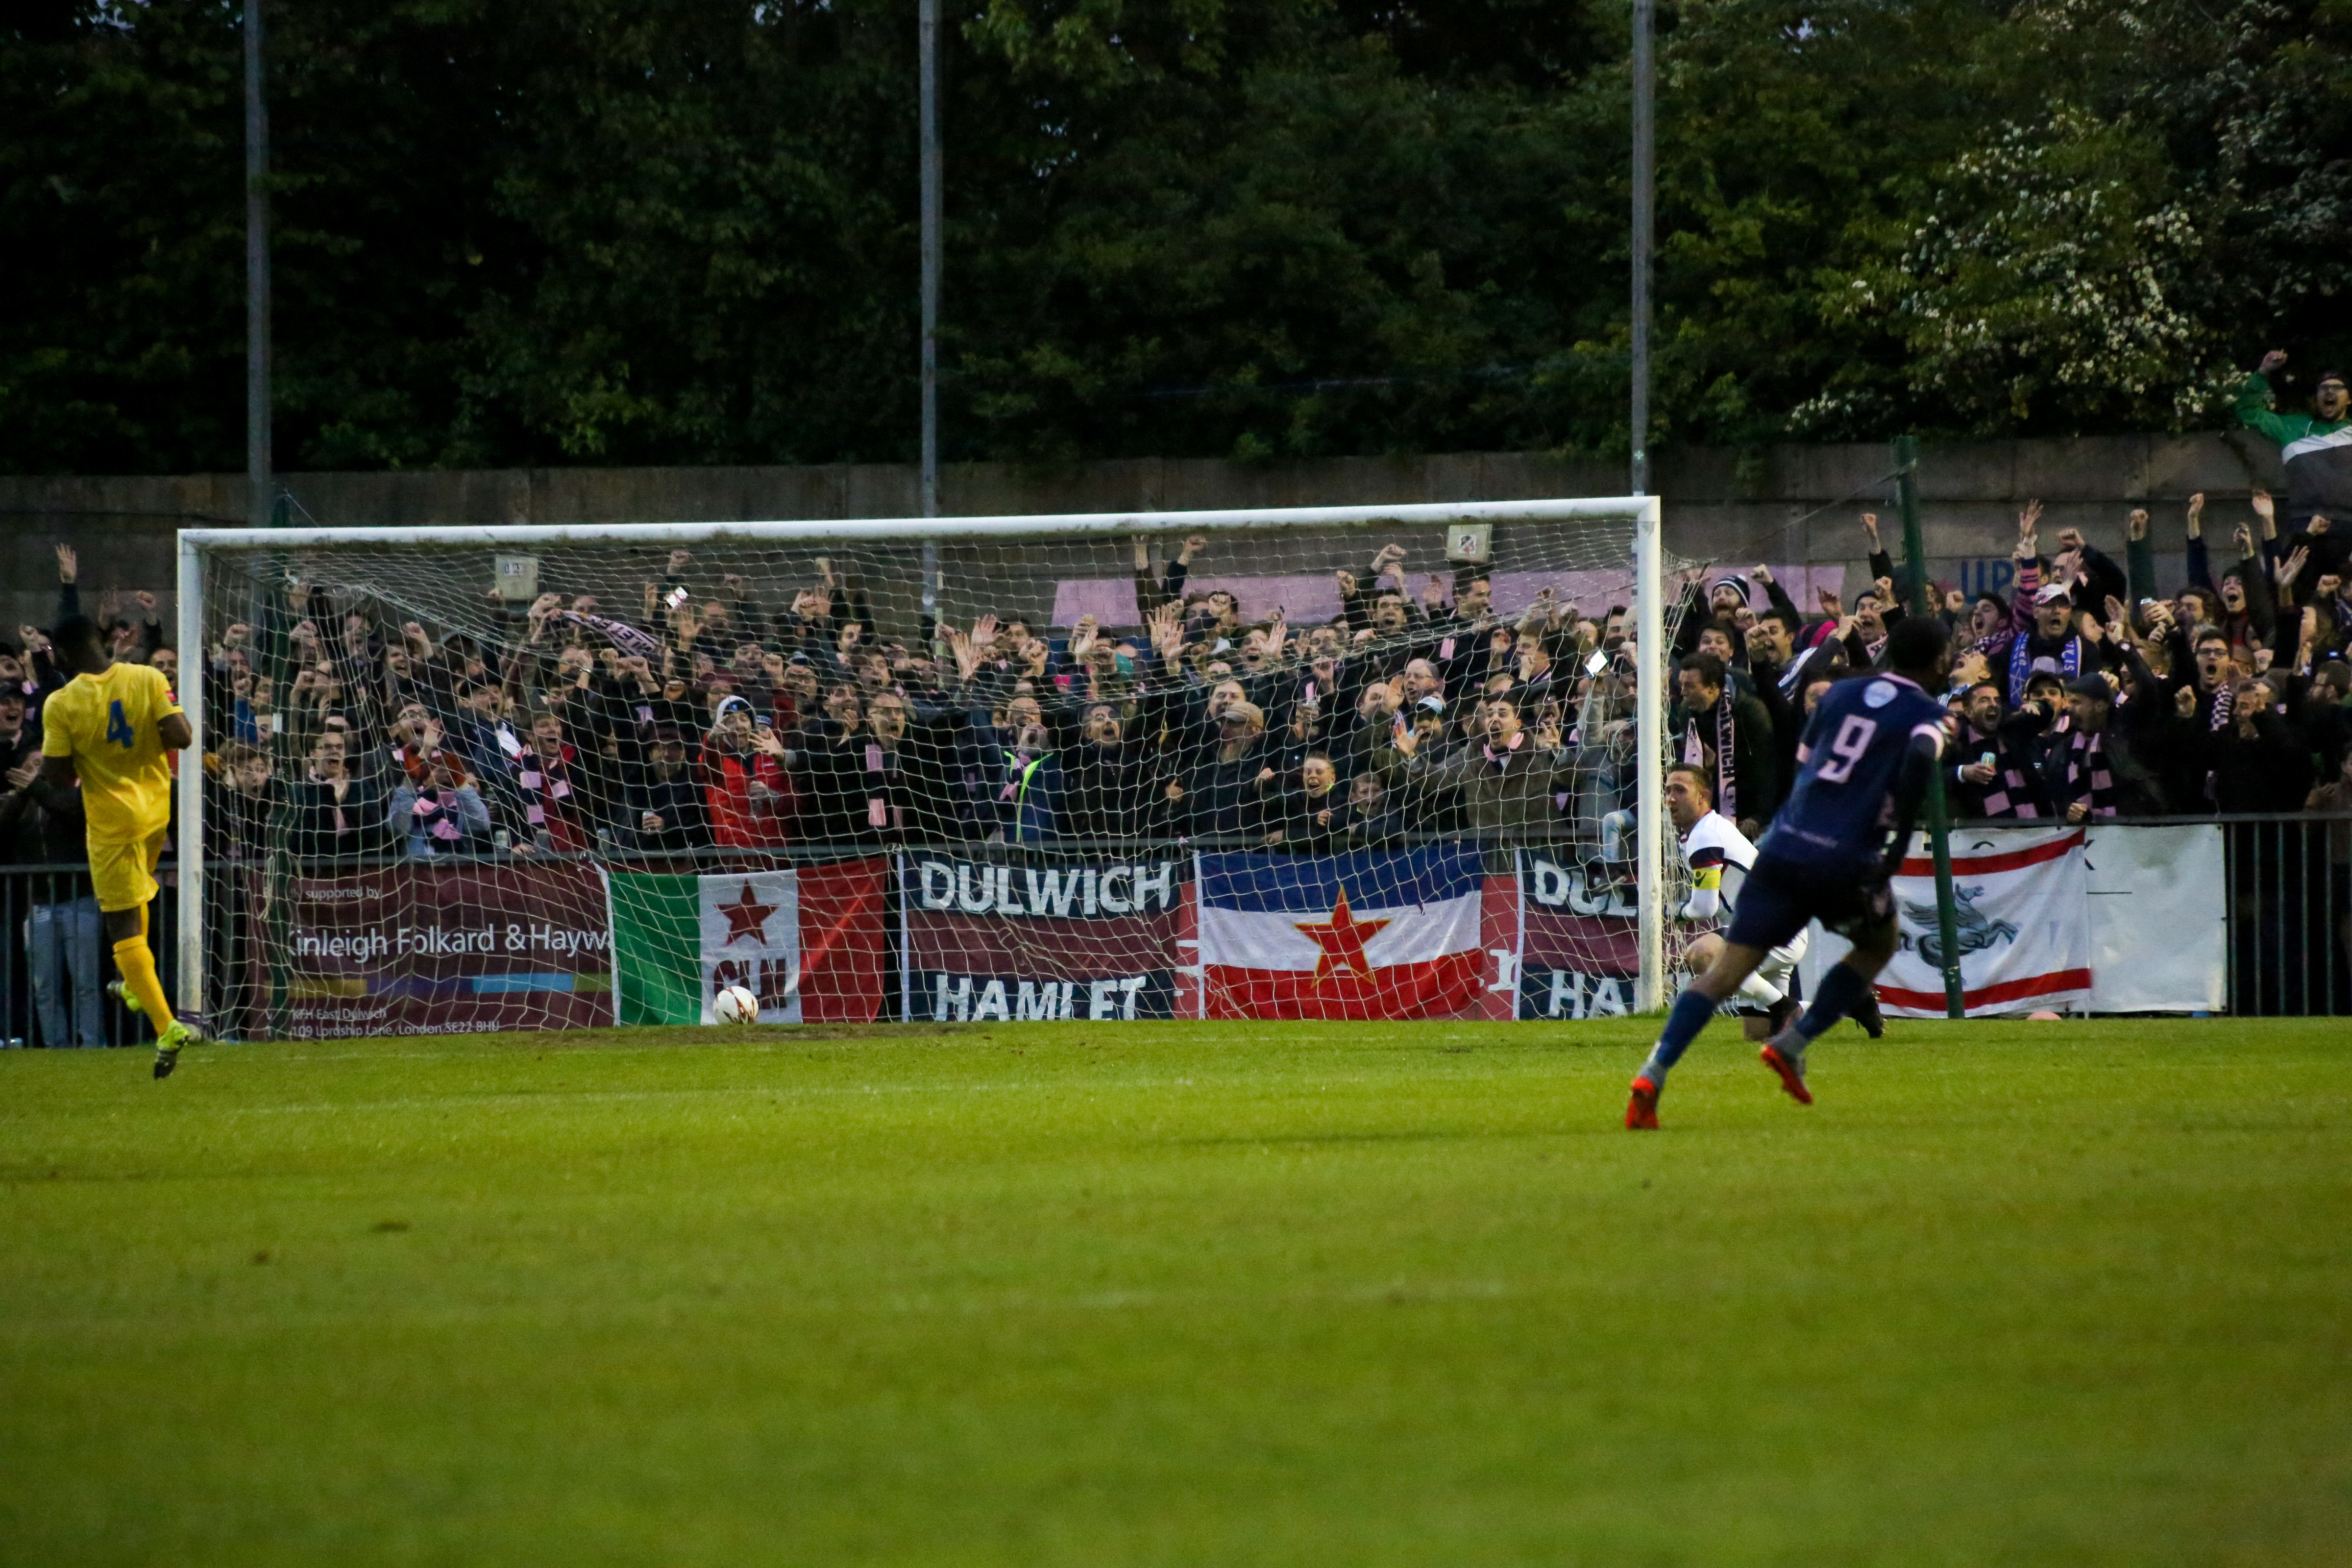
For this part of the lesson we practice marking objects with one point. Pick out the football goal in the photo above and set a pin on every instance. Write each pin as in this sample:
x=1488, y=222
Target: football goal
x=1368, y=761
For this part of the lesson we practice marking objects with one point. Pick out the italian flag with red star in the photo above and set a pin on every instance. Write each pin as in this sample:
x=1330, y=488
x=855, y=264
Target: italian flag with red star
x=809, y=941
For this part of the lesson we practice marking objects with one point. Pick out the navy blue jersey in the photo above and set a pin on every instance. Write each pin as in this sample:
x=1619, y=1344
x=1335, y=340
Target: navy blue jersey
x=1839, y=814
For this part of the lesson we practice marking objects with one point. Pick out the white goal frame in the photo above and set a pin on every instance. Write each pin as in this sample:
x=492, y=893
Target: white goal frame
x=1641, y=512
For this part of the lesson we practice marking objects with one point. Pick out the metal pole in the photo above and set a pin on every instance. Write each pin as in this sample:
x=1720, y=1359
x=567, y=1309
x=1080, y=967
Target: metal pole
x=1939, y=819
x=931, y=590
x=258, y=466
x=190, y=780
x=1650, y=748
x=1645, y=218
x=927, y=34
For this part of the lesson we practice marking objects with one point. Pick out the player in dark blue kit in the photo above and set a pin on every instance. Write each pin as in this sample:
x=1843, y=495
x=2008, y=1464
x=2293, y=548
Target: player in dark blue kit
x=1863, y=767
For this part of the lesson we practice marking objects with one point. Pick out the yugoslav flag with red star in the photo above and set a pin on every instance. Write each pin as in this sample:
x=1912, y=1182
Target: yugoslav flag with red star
x=1346, y=936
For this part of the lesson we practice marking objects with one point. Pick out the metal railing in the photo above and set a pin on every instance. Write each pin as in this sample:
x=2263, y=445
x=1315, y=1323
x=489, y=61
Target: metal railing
x=2290, y=903
x=55, y=961
x=2288, y=900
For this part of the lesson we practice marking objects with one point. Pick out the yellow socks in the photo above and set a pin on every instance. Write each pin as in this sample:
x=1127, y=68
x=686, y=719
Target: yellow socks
x=139, y=976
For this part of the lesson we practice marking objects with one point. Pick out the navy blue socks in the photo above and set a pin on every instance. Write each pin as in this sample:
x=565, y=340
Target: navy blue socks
x=1691, y=1012
x=1842, y=990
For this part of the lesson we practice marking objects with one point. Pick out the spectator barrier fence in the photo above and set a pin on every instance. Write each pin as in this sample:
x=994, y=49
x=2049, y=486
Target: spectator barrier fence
x=1109, y=930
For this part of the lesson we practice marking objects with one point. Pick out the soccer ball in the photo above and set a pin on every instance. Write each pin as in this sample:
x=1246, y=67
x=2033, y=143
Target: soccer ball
x=736, y=1004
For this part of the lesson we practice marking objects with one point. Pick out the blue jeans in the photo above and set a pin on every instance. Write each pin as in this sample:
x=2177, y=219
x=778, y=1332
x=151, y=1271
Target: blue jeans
x=66, y=940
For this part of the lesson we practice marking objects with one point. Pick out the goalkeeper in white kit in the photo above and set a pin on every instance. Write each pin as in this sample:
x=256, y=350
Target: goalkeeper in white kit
x=1721, y=856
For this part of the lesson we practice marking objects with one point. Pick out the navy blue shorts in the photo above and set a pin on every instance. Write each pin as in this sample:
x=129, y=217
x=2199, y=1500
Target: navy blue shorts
x=1780, y=897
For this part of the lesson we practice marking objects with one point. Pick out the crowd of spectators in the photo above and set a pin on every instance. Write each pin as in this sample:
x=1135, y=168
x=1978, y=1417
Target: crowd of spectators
x=702, y=720
x=711, y=721
x=2086, y=693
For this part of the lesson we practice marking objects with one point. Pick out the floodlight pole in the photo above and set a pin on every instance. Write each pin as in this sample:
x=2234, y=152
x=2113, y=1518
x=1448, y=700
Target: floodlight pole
x=1645, y=219
x=1649, y=597
x=1939, y=819
x=258, y=466
x=927, y=71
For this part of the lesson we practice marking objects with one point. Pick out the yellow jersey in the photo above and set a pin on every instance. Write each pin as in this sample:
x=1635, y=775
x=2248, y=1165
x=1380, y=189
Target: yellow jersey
x=108, y=725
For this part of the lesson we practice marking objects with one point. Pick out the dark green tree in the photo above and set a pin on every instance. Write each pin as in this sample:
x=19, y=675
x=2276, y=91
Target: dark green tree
x=684, y=231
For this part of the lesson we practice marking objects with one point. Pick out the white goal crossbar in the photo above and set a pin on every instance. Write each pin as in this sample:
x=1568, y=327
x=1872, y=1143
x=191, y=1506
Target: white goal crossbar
x=1643, y=512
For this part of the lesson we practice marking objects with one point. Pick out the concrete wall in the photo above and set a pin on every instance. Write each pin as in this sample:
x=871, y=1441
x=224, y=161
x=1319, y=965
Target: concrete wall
x=1784, y=504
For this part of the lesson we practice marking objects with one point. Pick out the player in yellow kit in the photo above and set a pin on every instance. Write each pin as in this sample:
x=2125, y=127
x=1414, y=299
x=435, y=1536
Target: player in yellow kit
x=113, y=725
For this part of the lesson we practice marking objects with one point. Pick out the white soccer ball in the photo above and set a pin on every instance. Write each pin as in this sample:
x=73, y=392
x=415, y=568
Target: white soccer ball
x=736, y=1004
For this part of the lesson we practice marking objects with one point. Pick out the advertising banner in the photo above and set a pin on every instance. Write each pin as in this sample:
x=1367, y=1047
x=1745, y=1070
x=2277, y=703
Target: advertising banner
x=1392, y=935
x=445, y=949
x=1033, y=936
x=810, y=942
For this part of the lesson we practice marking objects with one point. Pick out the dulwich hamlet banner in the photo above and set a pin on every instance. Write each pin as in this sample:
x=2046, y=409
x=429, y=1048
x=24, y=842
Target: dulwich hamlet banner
x=448, y=949
x=1037, y=936
x=1579, y=940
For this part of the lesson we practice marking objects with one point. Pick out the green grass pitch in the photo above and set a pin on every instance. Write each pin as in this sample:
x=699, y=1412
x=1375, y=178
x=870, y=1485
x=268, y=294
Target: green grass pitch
x=1083, y=1294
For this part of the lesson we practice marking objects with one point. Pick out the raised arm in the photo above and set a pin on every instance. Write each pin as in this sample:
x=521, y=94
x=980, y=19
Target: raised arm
x=2253, y=401
x=2139, y=557
x=2254, y=571
x=2026, y=555
x=1774, y=592
x=2200, y=570
x=2286, y=630
x=1881, y=564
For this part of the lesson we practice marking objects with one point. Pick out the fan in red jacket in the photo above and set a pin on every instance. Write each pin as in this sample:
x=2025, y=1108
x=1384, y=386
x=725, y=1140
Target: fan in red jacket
x=751, y=794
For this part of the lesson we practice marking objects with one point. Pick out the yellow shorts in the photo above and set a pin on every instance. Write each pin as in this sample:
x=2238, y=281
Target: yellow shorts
x=123, y=875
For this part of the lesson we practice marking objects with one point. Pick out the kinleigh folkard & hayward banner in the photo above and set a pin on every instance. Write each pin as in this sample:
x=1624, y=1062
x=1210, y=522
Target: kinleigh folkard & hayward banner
x=448, y=949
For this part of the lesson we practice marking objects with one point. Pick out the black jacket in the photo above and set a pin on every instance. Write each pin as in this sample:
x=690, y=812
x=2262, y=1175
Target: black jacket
x=1105, y=789
x=315, y=826
x=838, y=788
x=49, y=830
x=1304, y=820
x=1223, y=799
x=678, y=800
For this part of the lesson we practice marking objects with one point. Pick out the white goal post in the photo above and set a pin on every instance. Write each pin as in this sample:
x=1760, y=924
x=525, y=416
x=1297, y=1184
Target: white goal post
x=203, y=552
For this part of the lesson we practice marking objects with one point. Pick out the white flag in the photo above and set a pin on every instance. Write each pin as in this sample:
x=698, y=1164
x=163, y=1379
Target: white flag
x=2024, y=927
x=751, y=937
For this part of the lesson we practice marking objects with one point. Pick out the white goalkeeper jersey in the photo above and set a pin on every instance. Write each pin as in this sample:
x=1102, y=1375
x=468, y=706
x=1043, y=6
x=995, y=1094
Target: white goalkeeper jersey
x=1720, y=858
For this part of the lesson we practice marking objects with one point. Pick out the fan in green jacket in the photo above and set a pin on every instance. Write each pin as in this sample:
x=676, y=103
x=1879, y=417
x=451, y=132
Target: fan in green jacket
x=2316, y=449
x=2331, y=404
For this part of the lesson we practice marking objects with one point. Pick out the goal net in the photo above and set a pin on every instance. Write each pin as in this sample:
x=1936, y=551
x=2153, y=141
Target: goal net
x=1364, y=763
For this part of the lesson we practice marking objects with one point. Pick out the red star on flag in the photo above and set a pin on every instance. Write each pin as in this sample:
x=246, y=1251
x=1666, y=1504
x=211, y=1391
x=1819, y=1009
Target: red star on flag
x=1342, y=938
x=747, y=917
